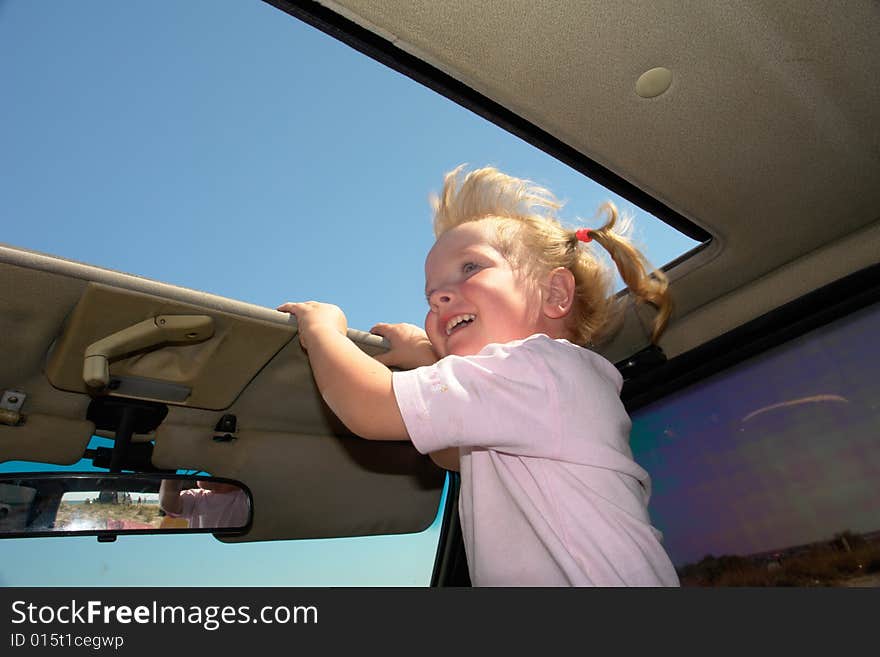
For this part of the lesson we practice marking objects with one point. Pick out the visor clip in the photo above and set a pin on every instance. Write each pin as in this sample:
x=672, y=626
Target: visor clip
x=10, y=407
x=225, y=429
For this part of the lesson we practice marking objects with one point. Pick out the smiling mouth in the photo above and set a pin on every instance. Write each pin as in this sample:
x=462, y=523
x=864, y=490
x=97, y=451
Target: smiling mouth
x=458, y=322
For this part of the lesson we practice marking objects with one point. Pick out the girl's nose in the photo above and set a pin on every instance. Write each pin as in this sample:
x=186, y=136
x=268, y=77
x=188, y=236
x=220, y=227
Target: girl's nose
x=439, y=298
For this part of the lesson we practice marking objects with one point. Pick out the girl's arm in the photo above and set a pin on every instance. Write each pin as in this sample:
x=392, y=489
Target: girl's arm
x=356, y=387
x=411, y=348
x=169, y=496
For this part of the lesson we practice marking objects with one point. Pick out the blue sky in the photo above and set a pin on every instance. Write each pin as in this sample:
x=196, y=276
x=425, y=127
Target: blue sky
x=225, y=146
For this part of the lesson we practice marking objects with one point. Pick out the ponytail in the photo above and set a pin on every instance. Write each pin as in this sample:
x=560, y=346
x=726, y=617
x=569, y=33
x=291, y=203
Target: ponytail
x=646, y=284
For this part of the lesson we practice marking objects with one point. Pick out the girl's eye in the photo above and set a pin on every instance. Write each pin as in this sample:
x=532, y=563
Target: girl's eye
x=469, y=267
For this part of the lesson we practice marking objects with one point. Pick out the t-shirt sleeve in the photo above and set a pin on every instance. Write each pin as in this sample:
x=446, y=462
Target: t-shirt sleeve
x=501, y=399
x=188, y=499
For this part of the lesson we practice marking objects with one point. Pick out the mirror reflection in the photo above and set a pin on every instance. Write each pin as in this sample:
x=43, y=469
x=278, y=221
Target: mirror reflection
x=43, y=504
x=207, y=505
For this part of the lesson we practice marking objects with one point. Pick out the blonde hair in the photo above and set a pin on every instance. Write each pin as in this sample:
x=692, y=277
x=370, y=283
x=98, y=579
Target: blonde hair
x=533, y=239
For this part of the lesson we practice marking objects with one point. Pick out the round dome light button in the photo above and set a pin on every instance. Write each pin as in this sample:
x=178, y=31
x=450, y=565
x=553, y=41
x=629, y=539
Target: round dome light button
x=654, y=82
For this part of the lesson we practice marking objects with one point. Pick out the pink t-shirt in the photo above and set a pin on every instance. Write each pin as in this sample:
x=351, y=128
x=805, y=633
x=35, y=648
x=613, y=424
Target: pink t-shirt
x=206, y=509
x=550, y=493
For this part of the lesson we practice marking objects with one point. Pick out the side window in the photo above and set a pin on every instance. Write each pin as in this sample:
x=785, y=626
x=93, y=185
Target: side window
x=768, y=474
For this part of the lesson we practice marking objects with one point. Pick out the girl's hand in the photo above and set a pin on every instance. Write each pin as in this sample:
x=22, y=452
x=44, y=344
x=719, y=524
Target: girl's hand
x=312, y=317
x=410, y=346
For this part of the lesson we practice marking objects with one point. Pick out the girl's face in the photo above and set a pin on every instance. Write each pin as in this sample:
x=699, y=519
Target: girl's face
x=475, y=297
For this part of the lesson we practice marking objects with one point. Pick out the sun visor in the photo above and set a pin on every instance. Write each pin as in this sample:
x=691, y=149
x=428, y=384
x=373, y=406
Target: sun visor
x=314, y=486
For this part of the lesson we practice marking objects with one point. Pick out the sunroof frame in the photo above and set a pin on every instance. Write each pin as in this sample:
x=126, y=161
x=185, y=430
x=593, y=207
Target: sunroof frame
x=385, y=52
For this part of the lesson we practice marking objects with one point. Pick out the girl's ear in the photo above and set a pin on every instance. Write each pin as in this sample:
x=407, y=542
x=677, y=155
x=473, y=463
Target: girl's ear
x=558, y=293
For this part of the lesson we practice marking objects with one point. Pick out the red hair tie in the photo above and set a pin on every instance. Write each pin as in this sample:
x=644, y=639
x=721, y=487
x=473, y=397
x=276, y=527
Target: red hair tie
x=583, y=234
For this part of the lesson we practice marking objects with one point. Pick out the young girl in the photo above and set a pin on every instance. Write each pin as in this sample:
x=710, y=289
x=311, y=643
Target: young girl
x=550, y=493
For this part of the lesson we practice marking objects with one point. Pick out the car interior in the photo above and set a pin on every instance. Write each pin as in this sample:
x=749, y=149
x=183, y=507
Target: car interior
x=751, y=128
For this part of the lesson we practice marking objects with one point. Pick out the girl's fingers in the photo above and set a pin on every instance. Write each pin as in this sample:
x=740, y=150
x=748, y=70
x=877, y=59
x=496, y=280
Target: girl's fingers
x=387, y=331
x=294, y=307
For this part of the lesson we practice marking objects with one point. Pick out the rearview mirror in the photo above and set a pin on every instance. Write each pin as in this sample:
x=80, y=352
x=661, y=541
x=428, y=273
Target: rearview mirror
x=106, y=504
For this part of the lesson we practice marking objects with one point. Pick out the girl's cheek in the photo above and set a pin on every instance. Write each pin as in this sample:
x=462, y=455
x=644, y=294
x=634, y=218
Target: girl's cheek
x=430, y=322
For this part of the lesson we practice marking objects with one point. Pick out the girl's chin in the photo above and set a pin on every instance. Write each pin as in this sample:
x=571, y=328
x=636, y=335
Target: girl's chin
x=465, y=342
x=464, y=349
